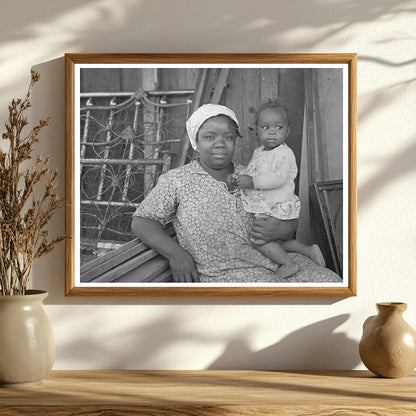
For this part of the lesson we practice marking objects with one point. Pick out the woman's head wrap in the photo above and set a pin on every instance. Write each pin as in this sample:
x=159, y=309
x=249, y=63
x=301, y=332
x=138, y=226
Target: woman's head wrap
x=202, y=114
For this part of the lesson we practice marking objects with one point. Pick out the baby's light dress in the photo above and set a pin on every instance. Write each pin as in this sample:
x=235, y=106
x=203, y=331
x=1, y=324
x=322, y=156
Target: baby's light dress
x=273, y=172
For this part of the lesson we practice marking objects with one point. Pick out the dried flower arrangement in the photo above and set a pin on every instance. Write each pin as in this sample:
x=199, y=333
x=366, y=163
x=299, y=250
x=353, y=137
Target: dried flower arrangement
x=28, y=199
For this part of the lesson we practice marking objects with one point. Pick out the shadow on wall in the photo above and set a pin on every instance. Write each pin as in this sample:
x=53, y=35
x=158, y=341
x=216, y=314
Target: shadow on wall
x=104, y=26
x=48, y=100
x=98, y=18
x=391, y=170
x=153, y=345
x=142, y=347
x=314, y=347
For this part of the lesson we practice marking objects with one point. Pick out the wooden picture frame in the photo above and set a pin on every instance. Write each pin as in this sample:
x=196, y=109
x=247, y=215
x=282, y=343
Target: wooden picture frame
x=90, y=144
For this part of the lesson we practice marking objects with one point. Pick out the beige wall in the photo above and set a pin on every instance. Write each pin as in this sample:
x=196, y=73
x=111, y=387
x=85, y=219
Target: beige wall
x=197, y=333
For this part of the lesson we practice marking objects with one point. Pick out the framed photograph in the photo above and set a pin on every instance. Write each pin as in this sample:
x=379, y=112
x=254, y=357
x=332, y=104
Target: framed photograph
x=211, y=174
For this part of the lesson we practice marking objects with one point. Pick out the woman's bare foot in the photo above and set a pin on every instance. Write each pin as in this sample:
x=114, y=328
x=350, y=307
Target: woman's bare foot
x=315, y=254
x=286, y=270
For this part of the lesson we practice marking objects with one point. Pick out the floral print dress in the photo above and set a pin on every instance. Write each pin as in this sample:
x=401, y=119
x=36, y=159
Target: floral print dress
x=211, y=224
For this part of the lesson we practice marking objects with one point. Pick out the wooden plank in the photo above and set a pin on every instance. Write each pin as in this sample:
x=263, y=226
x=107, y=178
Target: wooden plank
x=328, y=235
x=150, y=83
x=164, y=277
x=220, y=86
x=150, y=79
x=321, y=132
x=123, y=268
x=138, y=265
x=148, y=271
x=233, y=99
x=292, y=93
x=177, y=410
x=316, y=136
x=310, y=127
x=106, y=154
x=251, y=79
x=199, y=89
x=100, y=79
x=208, y=85
x=329, y=85
x=178, y=79
x=214, y=392
x=269, y=83
x=113, y=258
x=131, y=79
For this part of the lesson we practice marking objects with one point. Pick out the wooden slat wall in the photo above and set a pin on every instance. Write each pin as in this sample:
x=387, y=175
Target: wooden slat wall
x=243, y=96
x=324, y=124
x=177, y=79
x=110, y=80
x=292, y=93
x=329, y=101
x=130, y=79
x=248, y=88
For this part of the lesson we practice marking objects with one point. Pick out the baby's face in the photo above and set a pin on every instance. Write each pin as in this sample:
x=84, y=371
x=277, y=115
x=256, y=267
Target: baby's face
x=216, y=141
x=272, y=127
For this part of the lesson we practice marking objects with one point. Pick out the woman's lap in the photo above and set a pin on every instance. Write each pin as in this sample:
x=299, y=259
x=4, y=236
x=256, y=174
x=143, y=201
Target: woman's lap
x=309, y=273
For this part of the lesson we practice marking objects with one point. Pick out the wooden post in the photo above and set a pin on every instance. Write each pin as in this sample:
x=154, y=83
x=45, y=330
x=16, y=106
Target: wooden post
x=150, y=83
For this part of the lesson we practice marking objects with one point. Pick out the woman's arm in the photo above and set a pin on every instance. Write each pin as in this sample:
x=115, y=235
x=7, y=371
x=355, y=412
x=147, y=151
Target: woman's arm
x=269, y=228
x=153, y=234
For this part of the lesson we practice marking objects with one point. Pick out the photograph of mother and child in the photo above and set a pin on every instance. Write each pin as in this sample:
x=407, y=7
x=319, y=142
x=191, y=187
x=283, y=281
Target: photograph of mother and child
x=237, y=221
x=215, y=204
x=233, y=223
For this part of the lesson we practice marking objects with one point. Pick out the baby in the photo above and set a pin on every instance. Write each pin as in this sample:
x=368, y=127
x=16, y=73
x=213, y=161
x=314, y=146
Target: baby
x=268, y=186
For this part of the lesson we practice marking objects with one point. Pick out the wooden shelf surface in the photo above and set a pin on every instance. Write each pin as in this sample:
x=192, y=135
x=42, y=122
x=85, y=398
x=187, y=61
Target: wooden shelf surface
x=202, y=393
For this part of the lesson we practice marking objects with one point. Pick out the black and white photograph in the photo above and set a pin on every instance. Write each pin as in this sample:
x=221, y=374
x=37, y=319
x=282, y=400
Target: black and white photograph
x=191, y=175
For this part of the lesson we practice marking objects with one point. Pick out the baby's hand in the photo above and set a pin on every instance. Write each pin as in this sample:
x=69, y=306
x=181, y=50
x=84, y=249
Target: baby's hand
x=245, y=181
x=232, y=180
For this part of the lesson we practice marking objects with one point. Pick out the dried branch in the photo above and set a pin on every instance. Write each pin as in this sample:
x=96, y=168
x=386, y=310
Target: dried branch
x=23, y=218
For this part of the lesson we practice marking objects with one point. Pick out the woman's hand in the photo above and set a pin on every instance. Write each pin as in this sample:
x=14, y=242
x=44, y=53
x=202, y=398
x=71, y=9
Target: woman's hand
x=183, y=266
x=245, y=182
x=153, y=234
x=269, y=228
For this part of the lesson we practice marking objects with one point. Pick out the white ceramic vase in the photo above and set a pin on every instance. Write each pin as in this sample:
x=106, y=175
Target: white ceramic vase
x=27, y=346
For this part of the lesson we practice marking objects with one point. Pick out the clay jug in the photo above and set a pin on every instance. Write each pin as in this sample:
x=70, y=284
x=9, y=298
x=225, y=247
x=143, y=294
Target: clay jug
x=27, y=347
x=388, y=345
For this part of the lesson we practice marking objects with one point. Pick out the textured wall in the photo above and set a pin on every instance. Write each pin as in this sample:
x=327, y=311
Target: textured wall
x=198, y=333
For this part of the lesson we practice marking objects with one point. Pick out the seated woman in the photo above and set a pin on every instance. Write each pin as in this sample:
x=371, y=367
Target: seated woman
x=212, y=228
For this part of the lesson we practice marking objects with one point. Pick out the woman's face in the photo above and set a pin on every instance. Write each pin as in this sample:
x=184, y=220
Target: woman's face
x=216, y=141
